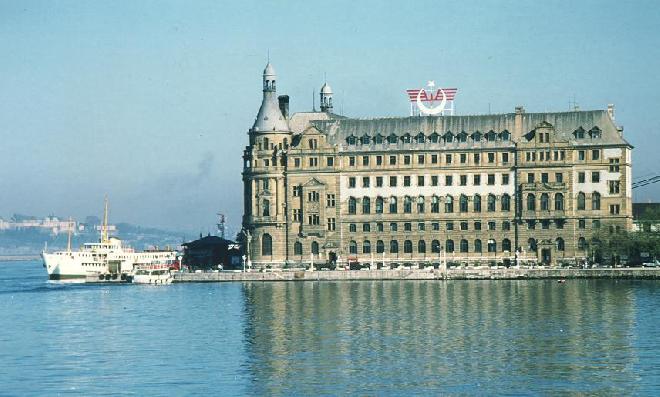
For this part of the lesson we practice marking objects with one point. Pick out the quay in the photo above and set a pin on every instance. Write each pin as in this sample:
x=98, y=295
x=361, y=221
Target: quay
x=419, y=274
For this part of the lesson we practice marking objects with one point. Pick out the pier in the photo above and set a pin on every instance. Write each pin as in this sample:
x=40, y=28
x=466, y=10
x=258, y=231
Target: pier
x=420, y=274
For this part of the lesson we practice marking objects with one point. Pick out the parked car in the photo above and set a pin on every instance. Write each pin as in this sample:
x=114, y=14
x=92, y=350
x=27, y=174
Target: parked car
x=655, y=263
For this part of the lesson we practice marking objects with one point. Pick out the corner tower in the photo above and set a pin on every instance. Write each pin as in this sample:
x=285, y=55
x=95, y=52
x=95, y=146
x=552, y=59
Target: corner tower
x=326, y=98
x=264, y=166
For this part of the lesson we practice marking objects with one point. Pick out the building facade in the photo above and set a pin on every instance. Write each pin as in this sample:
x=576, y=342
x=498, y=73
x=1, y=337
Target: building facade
x=478, y=189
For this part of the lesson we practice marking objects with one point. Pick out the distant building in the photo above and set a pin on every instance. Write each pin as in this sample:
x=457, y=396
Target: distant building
x=646, y=217
x=210, y=251
x=406, y=190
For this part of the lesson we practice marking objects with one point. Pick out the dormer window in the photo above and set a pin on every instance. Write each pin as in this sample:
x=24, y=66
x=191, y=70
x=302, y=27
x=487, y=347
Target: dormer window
x=579, y=133
x=595, y=133
x=449, y=137
x=378, y=139
x=476, y=136
x=434, y=137
x=392, y=138
x=462, y=137
x=506, y=135
x=420, y=138
x=405, y=138
x=365, y=139
x=490, y=137
x=351, y=140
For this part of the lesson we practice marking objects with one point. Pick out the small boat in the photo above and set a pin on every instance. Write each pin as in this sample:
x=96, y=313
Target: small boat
x=561, y=281
x=158, y=274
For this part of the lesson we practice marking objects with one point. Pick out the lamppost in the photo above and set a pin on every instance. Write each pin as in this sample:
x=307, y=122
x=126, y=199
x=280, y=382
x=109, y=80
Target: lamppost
x=246, y=256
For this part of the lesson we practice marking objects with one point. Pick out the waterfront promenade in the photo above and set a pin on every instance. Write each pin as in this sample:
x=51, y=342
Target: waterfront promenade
x=417, y=274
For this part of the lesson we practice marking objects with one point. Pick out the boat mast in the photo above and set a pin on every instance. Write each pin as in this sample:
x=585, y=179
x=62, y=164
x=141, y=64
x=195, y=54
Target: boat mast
x=104, y=228
x=68, y=241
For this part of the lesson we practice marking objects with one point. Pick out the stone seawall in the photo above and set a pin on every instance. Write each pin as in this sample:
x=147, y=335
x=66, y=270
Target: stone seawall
x=453, y=274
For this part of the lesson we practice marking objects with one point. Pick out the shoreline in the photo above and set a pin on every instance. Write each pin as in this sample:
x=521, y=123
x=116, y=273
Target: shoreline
x=19, y=258
x=453, y=274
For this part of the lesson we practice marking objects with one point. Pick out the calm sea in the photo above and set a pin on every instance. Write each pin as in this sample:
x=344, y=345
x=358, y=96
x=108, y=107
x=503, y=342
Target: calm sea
x=363, y=338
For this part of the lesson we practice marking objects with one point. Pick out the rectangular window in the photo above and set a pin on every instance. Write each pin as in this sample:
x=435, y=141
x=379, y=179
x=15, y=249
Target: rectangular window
x=614, y=209
x=313, y=219
x=476, y=180
x=313, y=162
x=406, y=180
x=393, y=181
x=462, y=180
x=559, y=177
x=595, y=154
x=491, y=225
x=329, y=161
x=544, y=177
x=530, y=178
x=352, y=228
x=477, y=158
x=506, y=225
x=394, y=226
x=545, y=224
x=595, y=224
x=264, y=184
x=406, y=160
x=420, y=159
x=379, y=160
x=491, y=157
x=331, y=224
x=379, y=181
x=420, y=180
x=582, y=224
x=491, y=179
x=448, y=158
x=392, y=160
x=505, y=179
x=614, y=165
x=477, y=225
x=365, y=181
x=434, y=159
x=434, y=180
x=450, y=226
x=329, y=200
x=581, y=177
x=366, y=227
x=464, y=226
x=448, y=180
x=615, y=187
x=531, y=224
x=435, y=226
x=351, y=182
x=297, y=191
x=296, y=162
x=351, y=161
x=421, y=226
x=581, y=155
x=463, y=158
x=379, y=226
x=297, y=215
x=407, y=227
x=313, y=196
x=595, y=176
x=505, y=158
x=365, y=160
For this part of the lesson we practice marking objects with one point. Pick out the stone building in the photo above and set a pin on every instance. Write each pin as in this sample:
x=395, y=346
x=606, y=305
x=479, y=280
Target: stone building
x=477, y=189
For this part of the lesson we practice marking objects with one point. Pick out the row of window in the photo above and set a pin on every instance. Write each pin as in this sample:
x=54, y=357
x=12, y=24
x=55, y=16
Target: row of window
x=546, y=155
x=449, y=246
x=421, y=226
x=421, y=180
x=421, y=159
x=420, y=204
x=420, y=138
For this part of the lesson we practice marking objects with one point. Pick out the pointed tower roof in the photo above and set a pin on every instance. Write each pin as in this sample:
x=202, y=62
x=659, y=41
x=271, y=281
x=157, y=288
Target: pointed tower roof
x=270, y=118
x=325, y=89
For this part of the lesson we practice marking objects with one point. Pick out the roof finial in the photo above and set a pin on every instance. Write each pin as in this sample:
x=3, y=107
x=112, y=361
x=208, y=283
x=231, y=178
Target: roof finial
x=268, y=55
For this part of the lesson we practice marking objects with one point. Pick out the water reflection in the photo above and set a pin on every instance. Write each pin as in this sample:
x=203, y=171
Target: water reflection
x=460, y=336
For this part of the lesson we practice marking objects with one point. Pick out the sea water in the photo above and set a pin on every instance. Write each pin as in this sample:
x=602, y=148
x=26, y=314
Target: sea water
x=311, y=338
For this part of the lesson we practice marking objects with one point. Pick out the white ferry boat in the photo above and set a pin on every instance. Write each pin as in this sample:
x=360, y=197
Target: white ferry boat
x=106, y=260
x=152, y=274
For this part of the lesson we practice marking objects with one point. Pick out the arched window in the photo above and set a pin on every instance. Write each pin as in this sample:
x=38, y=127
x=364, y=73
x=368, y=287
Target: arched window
x=352, y=206
x=531, y=245
x=420, y=204
x=407, y=247
x=366, y=205
x=435, y=204
x=581, y=198
x=506, y=202
x=393, y=206
x=366, y=247
x=492, y=246
x=449, y=246
x=491, y=202
x=477, y=245
x=464, y=245
x=315, y=248
x=352, y=247
x=582, y=244
x=297, y=248
x=421, y=246
x=545, y=202
x=559, y=242
x=394, y=247
x=379, y=205
x=595, y=201
x=449, y=204
x=435, y=246
x=266, y=245
x=476, y=203
x=531, y=202
x=506, y=245
x=463, y=203
x=266, y=208
x=559, y=202
x=380, y=247
x=407, y=205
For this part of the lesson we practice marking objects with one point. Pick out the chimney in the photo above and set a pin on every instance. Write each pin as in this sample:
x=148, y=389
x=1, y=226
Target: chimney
x=610, y=110
x=518, y=123
x=284, y=105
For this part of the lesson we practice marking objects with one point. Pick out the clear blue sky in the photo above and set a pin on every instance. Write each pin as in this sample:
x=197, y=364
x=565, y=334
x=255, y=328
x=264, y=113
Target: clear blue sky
x=150, y=101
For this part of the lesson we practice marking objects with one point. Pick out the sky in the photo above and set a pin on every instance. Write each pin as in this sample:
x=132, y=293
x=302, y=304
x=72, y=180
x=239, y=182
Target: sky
x=149, y=102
